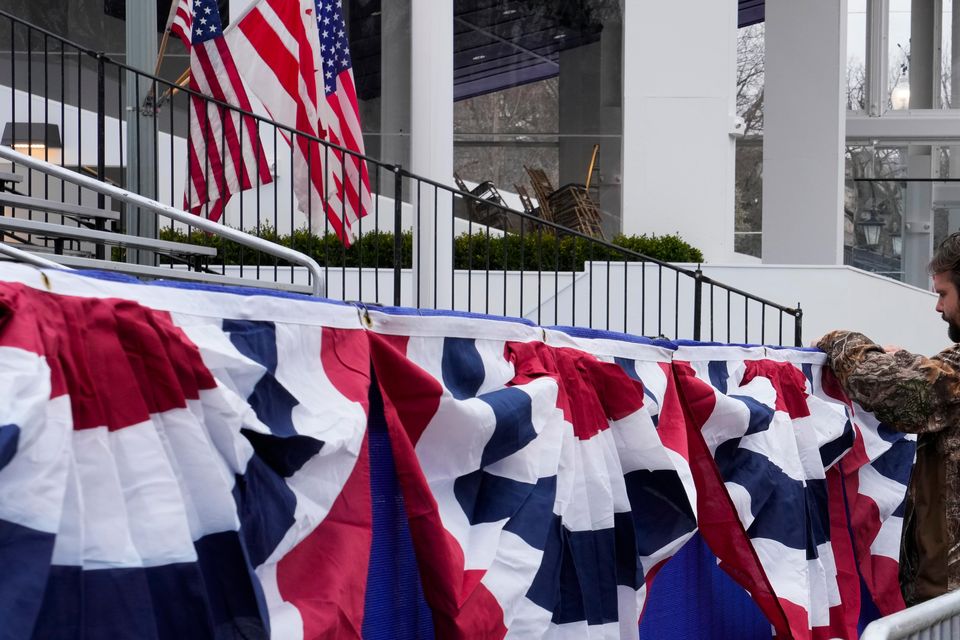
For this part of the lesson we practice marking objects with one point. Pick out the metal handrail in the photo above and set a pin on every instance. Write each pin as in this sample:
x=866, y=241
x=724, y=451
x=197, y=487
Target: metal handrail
x=941, y=614
x=29, y=258
x=203, y=224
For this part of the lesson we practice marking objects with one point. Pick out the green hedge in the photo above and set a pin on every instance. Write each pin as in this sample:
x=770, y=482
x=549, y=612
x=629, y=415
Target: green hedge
x=534, y=251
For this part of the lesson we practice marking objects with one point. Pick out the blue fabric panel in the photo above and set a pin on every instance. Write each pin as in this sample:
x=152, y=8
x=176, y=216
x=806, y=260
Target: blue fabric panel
x=897, y=462
x=530, y=519
x=719, y=374
x=588, y=581
x=577, y=579
x=485, y=497
x=185, y=601
x=62, y=607
x=760, y=414
x=868, y=610
x=274, y=405
x=514, y=430
x=462, y=367
x=179, y=601
x=660, y=508
x=255, y=339
x=266, y=507
x=236, y=604
x=629, y=570
x=9, y=437
x=692, y=599
x=113, y=276
x=116, y=605
x=582, y=332
x=285, y=455
x=24, y=563
x=545, y=589
x=270, y=400
x=446, y=313
x=395, y=608
x=831, y=451
x=776, y=498
x=888, y=433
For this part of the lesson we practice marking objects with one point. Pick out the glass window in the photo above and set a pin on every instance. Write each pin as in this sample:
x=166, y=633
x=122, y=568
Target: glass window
x=873, y=208
x=748, y=206
x=946, y=55
x=856, y=55
x=537, y=88
x=899, y=52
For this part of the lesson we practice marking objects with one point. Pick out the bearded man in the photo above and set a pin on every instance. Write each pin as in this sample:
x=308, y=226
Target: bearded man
x=918, y=394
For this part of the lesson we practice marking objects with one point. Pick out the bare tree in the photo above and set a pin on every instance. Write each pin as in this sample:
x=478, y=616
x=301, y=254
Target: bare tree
x=500, y=132
x=748, y=187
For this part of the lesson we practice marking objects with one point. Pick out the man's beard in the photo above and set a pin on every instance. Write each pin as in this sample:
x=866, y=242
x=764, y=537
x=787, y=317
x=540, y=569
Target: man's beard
x=953, y=330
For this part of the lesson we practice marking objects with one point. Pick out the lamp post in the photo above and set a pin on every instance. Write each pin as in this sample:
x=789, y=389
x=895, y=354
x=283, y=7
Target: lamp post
x=900, y=97
x=871, y=227
x=38, y=139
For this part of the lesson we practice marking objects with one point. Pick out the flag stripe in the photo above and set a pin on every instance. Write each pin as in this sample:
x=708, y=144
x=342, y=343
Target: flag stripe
x=223, y=146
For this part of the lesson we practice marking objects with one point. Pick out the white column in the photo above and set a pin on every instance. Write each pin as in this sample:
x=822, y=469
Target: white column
x=395, y=87
x=953, y=222
x=431, y=148
x=679, y=75
x=804, y=130
x=141, y=170
x=924, y=90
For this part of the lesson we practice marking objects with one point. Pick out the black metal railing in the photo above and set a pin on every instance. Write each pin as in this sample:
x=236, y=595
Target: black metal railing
x=421, y=244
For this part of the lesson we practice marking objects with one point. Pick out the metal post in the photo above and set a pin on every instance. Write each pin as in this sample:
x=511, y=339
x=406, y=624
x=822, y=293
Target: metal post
x=141, y=170
x=397, y=232
x=878, y=17
x=918, y=213
x=697, y=301
x=798, y=327
x=101, y=146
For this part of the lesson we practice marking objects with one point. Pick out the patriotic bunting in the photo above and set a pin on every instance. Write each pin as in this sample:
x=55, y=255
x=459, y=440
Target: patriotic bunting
x=183, y=462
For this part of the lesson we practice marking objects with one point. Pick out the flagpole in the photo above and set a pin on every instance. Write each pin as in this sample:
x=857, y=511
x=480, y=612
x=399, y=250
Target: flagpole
x=162, y=52
x=184, y=78
x=182, y=81
x=171, y=14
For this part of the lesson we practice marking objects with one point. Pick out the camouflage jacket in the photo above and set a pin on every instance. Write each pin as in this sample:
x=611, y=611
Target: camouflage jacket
x=921, y=395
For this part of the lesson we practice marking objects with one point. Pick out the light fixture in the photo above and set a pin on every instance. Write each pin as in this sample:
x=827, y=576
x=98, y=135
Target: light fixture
x=509, y=12
x=39, y=139
x=560, y=36
x=871, y=227
x=896, y=245
x=478, y=58
x=900, y=97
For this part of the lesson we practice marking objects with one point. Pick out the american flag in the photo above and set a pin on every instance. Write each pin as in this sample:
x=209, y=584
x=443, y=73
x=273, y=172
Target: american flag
x=180, y=463
x=225, y=153
x=349, y=198
x=279, y=47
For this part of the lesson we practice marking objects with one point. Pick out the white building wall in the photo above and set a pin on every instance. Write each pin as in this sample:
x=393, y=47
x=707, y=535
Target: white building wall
x=679, y=63
x=803, y=131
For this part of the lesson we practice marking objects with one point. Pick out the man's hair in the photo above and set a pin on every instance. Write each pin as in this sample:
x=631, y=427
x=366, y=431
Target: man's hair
x=946, y=258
